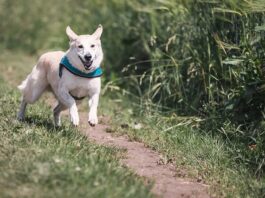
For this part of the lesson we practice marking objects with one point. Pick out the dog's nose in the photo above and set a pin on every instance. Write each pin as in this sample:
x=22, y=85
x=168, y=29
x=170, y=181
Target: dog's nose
x=88, y=57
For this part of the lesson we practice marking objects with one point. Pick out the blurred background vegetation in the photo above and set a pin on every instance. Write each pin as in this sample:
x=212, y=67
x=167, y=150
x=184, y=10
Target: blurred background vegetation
x=191, y=57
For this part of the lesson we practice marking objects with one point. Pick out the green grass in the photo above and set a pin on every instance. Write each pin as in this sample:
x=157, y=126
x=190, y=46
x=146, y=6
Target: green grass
x=201, y=58
x=38, y=160
x=212, y=159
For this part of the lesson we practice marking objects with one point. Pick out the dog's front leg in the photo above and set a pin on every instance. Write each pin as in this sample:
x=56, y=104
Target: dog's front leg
x=93, y=104
x=69, y=102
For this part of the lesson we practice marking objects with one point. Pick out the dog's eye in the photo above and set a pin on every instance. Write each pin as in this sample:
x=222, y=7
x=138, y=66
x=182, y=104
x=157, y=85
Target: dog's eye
x=92, y=46
x=80, y=46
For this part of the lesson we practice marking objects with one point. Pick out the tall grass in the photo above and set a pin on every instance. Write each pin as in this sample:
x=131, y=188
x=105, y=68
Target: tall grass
x=208, y=61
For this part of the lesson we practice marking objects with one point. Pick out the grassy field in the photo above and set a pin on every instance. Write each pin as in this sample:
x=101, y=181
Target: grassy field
x=37, y=160
x=191, y=72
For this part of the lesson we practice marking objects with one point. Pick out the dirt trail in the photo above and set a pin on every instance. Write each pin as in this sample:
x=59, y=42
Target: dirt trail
x=145, y=162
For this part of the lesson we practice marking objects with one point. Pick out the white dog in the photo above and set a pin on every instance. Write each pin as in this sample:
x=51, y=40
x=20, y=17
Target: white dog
x=71, y=76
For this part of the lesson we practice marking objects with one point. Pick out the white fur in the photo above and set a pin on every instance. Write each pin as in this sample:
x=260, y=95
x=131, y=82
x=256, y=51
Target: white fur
x=46, y=75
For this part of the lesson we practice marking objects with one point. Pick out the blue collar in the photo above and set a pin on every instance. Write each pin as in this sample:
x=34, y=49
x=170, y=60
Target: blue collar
x=67, y=65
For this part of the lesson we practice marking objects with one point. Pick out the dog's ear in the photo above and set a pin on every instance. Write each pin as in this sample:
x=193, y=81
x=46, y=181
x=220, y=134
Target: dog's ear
x=70, y=33
x=98, y=32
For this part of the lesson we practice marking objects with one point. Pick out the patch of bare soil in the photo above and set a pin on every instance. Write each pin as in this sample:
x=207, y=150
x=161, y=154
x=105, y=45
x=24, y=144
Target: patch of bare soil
x=146, y=163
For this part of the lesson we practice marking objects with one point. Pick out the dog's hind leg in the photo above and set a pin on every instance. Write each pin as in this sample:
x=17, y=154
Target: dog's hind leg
x=57, y=113
x=22, y=109
x=32, y=88
x=35, y=85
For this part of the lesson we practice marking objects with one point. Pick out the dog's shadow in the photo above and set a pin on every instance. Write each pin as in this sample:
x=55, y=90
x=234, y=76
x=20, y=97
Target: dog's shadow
x=39, y=121
x=47, y=123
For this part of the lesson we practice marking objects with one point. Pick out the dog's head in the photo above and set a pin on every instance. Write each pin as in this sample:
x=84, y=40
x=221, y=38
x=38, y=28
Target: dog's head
x=85, y=50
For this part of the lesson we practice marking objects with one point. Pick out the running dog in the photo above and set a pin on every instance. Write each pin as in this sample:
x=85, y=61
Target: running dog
x=71, y=76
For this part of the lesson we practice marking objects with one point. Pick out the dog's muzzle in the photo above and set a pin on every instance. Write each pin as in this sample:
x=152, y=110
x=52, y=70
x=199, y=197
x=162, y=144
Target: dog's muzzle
x=87, y=62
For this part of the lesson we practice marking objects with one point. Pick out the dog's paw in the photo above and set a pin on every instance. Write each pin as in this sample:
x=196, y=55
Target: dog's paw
x=92, y=120
x=57, y=123
x=57, y=120
x=75, y=120
x=20, y=117
x=74, y=116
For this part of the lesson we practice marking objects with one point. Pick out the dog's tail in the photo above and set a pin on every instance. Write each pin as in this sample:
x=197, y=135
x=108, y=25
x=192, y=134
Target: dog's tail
x=23, y=85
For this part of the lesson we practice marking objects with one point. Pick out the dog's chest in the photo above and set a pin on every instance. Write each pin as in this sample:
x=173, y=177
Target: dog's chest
x=82, y=87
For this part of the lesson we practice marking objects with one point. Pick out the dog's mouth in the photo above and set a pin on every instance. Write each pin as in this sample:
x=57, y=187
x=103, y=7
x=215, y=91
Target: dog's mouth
x=87, y=64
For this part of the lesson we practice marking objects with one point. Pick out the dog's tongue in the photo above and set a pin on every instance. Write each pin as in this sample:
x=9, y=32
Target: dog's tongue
x=87, y=64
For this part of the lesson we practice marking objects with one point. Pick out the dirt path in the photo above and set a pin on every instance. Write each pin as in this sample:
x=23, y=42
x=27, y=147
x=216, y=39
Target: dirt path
x=145, y=162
